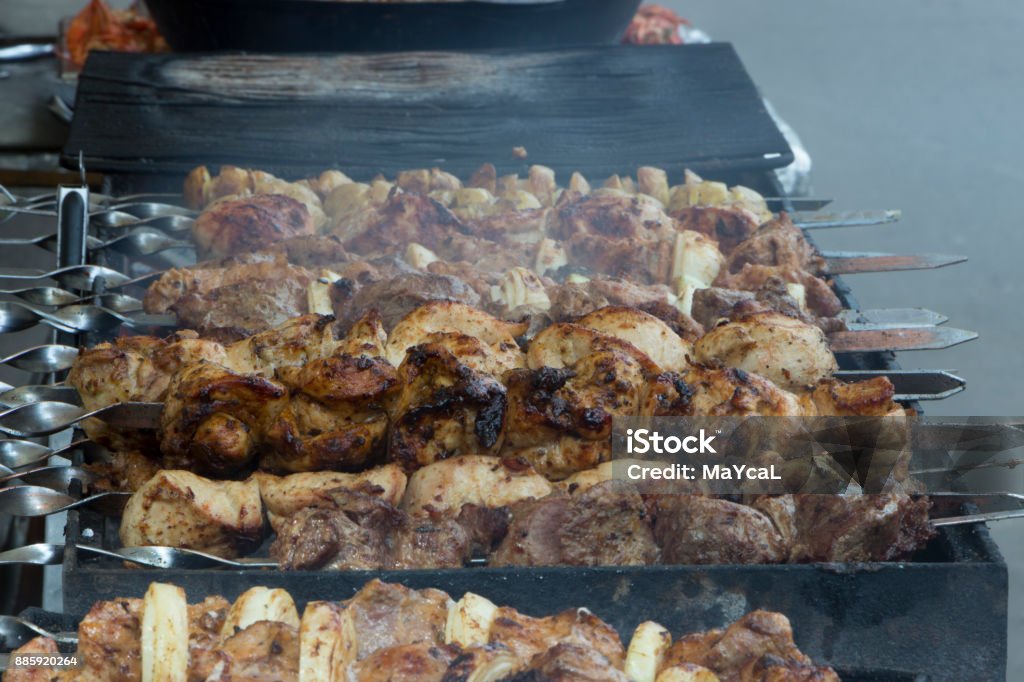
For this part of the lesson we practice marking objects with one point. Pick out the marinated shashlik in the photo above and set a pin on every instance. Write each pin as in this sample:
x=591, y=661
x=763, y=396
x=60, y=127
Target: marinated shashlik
x=502, y=510
x=667, y=242
x=391, y=632
x=450, y=379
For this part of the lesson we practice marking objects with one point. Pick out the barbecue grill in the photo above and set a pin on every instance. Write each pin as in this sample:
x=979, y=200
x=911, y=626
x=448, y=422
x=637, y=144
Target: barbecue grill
x=873, y=620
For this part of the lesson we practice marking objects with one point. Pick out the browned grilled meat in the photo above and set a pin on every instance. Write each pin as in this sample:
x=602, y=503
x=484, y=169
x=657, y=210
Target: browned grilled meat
x=387, y=615
x=213, y=419
x=845, y=528
x=419, y=662
x=716, y=303
x=233, y=226
x=42, y=646
x=445, y=408
x=570, y=663
x=727, y=225
x=606, y=525
x=777, y=243
x=335, y=417
x=265, y=650
x=705, y=530
x=362, y=532
x=109, y=641
x=747, y=650
x=821, y=299
x=527, y=637
x=395, y=297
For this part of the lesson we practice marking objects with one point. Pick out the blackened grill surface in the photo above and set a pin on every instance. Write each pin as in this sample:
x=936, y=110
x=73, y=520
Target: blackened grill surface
x=294, y=116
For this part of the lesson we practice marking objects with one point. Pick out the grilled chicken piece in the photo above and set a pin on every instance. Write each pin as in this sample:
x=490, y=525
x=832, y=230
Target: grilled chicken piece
x=605, y=525
x=706, y=530
x=463, y=324
x=265, y=650
x=213, y=419
x=869, y=398
x=444, y=409
x=818, y=294
x=386, y=615
x=444, y=487
x=610, y=213
x=284, y=496
x=643, y=331
x=713, y=304
x=789, y=352
x=528, y=637
x=570, y=663
x=232, y=226
x=180, y=509
x=292, y=344
x=734, y=393
x=419, y=662
x=361, y=531
x=777, y=243
x=747, y=649
x=134, y=368
x=335, y=417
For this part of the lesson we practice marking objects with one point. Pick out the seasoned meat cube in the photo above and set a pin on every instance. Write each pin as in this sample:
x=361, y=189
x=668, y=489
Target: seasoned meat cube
x=396, y=297
x=820, y=298
x=287, y=495
x=109, y=641
x=233, y=226
x=706, y=530
x=37, y=645
x=779, y=243
x=447, y=486
x=734, y=392
x=846, y=528
x=419, y=662
x=445, y=409
x=791, y=353
x=387, y=615
x=570, y=663
x=318, y=539
x=605, y=525
x=759, y=641
x=180, y=509
x=643, y=331
x=265, y=650
x=527, y=637
x=335, y=416
x=213, y=419
x=424, y=543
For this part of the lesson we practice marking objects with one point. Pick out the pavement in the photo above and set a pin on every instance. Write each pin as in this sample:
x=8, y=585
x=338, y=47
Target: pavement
x=912, y=105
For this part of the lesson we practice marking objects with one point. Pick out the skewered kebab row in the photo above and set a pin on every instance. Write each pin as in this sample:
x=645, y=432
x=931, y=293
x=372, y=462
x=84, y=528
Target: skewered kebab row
x=609, y=231
x=450, y=379
x=474, y=506
x=391, y=632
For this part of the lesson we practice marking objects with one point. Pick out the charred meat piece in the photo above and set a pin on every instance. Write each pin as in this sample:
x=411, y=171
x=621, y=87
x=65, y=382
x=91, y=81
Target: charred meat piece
x=605, y=525
x=133, y=369
x=213, y=419
x=759, y=641
x=729, y=226
x=180, y=509
x=570, y=663
x=335, y=417
x=444, y=409
x=705, y=530
x=848, y=528
x=733, y=392
x=109, y=641
x=233, y=226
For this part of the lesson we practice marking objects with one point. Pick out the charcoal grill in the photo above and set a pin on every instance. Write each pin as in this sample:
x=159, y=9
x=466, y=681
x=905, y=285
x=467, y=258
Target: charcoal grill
x=940, y=616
